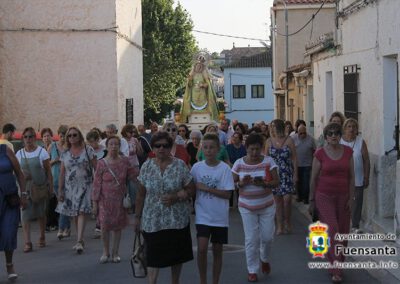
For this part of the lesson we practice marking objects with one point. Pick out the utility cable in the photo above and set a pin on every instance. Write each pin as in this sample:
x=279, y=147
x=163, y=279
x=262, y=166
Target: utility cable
x=224, y=35
x=306, y=24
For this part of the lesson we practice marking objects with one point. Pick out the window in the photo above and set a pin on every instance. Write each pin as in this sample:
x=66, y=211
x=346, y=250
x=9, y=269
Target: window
x=239, y=91
x=129, y=111
x=257, y=91
x=351, y=91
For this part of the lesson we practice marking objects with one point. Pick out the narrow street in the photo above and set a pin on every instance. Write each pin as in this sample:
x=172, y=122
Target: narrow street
x=58, y=263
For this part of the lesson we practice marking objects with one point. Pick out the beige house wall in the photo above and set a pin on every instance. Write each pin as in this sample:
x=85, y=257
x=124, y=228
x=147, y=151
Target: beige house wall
x=66, y=68
x=129, y=59
x=298, y=15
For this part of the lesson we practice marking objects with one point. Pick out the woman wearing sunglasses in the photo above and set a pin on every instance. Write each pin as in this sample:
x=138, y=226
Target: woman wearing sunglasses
x=75, y=182
x=177, y=149
x=162, y=209
x=35, y=163
x=332, y=190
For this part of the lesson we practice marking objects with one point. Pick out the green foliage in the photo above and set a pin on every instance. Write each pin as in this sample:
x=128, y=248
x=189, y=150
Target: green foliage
x=169, y=47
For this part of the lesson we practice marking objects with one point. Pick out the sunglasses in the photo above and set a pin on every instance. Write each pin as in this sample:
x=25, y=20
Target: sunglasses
x=29, y=136
x=73, y=135
x=331, y=133
x=165, y=146
x=171, y=129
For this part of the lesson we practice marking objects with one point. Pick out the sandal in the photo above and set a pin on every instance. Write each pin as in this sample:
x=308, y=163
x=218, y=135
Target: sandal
x=116, y=259
x=104, y=259
x=337, y=279
x=42, y=242
x=28, y=247
x=288, y=228
x=66, y=233
x=79, y=247
x=11, y=272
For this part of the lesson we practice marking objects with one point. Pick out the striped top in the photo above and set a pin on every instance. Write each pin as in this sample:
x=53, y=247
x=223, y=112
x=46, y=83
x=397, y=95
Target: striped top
x=254, y=197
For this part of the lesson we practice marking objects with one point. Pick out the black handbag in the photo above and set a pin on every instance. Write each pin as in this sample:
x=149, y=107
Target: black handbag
x=138, y=258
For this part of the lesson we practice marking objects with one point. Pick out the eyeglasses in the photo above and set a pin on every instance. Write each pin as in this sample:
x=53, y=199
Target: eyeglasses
x=171, y=129
x=331, y=133
x=73, y=135
x=165, y=146
x=29, y=136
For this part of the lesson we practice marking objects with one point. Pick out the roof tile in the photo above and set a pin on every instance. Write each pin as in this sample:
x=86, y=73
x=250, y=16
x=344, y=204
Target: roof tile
x=289, y=2
x=259, y=60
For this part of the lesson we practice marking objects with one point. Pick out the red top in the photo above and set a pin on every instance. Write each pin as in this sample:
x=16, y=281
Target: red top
x=334, y=177
x=180, y=153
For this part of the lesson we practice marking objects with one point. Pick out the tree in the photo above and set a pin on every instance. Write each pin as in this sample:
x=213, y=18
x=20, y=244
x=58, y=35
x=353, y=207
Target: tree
x=169, y=47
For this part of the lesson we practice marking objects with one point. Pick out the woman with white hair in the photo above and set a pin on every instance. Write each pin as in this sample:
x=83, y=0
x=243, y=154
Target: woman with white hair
x=194, y=145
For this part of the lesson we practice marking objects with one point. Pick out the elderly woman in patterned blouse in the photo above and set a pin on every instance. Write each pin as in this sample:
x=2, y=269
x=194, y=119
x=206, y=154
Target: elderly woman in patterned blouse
x=162, y=209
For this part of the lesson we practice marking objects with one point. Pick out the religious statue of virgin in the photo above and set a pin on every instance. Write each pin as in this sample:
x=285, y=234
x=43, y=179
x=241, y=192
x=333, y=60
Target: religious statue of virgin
x=199, y=95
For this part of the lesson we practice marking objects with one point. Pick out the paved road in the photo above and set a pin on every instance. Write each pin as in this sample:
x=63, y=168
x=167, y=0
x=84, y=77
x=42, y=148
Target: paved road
x=58, y=263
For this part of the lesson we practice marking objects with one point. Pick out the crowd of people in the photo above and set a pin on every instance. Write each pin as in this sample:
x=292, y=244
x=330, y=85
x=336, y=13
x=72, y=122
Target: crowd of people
x=170, y=172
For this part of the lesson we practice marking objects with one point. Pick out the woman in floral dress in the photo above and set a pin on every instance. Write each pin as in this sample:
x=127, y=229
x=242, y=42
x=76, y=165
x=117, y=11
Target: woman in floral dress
x=163, y=200
x=75, y=182
x=282, y=149
x=109, y=189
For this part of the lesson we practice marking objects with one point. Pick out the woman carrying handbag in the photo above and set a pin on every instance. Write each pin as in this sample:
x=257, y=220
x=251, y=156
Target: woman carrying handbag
x=109, y=191
x=35, y=163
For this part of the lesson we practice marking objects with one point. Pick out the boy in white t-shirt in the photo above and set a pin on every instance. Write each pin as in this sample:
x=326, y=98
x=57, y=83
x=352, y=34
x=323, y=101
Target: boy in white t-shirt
x=214, y=186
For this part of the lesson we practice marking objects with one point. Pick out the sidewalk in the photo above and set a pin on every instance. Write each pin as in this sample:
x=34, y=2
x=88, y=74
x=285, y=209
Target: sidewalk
x=58, y=263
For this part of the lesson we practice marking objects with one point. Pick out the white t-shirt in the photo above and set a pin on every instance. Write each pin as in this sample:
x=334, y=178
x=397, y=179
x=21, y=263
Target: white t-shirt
x=43, y=155
x=210, y=209
x=124, y=149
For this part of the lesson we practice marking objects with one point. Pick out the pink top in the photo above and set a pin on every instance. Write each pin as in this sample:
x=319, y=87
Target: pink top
x=254, y=197
x=334, y=176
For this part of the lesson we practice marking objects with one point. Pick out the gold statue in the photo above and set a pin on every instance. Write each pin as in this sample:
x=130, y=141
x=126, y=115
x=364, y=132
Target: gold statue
x=199, y=95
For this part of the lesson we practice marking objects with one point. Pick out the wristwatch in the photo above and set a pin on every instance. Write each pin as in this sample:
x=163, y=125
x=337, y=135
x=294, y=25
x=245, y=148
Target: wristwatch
x=24, y=193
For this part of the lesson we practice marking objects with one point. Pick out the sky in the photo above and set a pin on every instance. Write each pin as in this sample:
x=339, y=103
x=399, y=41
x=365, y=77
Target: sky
x=243, y=18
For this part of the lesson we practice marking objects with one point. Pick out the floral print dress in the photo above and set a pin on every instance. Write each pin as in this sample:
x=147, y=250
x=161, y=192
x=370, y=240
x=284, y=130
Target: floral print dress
x=109, y=192
x=283, y=158
x=155, y=215
x=77, y=183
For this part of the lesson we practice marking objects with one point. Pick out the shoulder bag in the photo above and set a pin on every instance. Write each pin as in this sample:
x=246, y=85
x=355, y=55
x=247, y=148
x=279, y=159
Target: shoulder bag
x=38, y=192
x=138, y=258
x=126, y=202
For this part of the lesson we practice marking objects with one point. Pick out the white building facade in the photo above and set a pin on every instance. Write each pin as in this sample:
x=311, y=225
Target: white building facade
x=71, y=62
x=360, y=77
x=248, y=89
